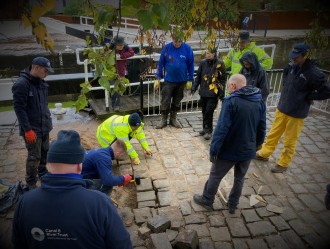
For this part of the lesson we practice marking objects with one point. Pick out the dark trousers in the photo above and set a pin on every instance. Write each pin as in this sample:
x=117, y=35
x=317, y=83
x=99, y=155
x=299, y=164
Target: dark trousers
x=115, y=100
x=172, y=94
x=218, y=170
x=98, y=185
x=36, y=159
x=208, y=107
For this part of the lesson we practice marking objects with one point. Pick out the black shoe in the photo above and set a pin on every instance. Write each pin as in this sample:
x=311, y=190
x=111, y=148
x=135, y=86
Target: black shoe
x=327, y=201
x=200, y=200
x=207, y=136
x=231, y=209
x=258, y=157
x=202, y=132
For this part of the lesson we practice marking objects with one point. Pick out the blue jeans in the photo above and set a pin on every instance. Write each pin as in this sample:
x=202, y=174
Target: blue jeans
x=36, y=159
x=218, y=170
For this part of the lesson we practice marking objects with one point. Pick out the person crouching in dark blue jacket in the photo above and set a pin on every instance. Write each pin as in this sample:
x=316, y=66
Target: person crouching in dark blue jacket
x=63, y=213
x=97, y=166
x=240, y=129
x=30, y=93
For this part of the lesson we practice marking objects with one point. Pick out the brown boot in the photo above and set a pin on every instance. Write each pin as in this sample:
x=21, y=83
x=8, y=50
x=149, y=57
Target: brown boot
x=163, y=121
x=173, y=121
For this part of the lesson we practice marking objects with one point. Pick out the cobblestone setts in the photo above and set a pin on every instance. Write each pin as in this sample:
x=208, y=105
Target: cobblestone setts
x=179, y=169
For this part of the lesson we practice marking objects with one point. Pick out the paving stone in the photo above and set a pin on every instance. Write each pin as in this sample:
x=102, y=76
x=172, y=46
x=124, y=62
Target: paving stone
x=222, y=245
x=145, y=185
x=322, y=230
x=261, y=228
x=237, y=214
x=276, y=242
x=316, y=241
x=263, y=190
x=164, y=198
x=174, y=214
x=247, y=191
x=195, y=219
x=310, y=201
x=299, y=227
x=142, y=204
x=183, y=196
x=135, y=238
x=161, y=183
x=239, y=244
x=256, y=243
x=206, y=243
x=298, y=188
x=171, y=234
x=250, y=215
x=292, y=239
x=263, y=212
x=244, y=203
x=289, y=214
x=159, y=223
x=144, y=232
x=160, y=241
x=220, y=234
x=142, y=215
x=313, y=188
x=217, y=220
x=308, y=217
x=185, y=207
x=202, y=230
x=274, y=209
x=237, y=227
x=312, y=149
x=192, y=180
x=279, y=223
x=146, y=196
x=187, y=238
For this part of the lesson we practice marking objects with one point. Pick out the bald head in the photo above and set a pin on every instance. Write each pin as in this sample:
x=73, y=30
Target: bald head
x=235, y=82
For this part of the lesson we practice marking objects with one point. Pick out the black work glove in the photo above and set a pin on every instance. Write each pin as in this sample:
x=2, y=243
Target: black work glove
x=213, y=158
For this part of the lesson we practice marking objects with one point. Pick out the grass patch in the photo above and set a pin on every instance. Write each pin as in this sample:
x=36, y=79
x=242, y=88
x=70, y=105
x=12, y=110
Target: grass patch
x=51, y=105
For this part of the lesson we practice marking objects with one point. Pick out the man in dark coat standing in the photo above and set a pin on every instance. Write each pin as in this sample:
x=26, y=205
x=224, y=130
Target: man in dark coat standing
x=30, y=94
x=240, y=129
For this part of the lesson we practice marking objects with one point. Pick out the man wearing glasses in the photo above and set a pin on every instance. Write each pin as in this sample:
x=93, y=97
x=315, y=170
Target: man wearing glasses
x=30, y=93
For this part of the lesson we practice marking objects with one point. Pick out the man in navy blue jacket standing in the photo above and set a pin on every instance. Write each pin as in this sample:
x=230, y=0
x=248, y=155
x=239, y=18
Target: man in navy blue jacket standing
x=30, y=93
x=63, y=213
x=176, y=66
x=240, y=129
x=97, y=166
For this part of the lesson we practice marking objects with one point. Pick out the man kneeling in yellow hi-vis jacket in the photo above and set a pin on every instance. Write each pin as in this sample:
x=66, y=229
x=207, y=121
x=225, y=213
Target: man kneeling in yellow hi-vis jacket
x=123, y=128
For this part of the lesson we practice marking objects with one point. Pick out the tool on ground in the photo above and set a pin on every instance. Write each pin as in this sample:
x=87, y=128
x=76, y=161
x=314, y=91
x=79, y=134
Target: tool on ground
x=136, y=179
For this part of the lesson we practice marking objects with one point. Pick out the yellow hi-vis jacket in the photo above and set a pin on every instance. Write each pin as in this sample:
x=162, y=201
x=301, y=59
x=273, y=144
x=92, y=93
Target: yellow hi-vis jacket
x=232, y=58
x=117, y=127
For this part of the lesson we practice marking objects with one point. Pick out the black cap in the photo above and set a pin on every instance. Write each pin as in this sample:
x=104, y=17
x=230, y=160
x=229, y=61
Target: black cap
x=244, y=36
x=134, y=119
x=43, y=62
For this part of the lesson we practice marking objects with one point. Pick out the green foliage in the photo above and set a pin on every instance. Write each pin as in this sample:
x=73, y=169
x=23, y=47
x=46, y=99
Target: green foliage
x=77, y=8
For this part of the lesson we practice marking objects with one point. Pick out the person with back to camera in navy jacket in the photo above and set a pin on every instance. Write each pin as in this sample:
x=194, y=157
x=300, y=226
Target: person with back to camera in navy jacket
x=240, y=129
x=30, y=99
x=63, y=213
x=97, y=166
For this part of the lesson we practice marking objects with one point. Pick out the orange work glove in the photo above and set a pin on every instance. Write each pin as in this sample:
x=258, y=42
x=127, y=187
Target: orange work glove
x=30, y=137
x=127, y=179
x=148, y=152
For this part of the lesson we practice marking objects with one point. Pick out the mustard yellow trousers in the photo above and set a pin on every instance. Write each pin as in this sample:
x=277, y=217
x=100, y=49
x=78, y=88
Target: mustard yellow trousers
x=291, y=127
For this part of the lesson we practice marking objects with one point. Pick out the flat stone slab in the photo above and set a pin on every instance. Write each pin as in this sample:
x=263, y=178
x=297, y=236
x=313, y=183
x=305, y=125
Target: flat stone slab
x=142, y=204
x=195, y=219
x=202, y=230
x=250, y=215
x=142, y=215
x=185, y=207
x=164, y=198
x=174, y=214
x=146, y=196
x=217, y=220
x=160, y=241
x=145, y=185
x=159, y=224
x=261, y=228
x=187, y=238
x=279, y=223
x=220, y=234
x=237, y=227
x=161, y=183
x=274, y=209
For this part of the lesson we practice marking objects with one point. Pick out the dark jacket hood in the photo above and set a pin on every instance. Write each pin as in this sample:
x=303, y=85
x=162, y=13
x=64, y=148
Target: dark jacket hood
x=247, y=92
x=25, y=73
x=251, y=58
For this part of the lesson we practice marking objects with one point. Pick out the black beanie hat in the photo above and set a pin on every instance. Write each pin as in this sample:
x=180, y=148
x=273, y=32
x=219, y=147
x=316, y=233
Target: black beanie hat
x=66, y=149
x=134, y=119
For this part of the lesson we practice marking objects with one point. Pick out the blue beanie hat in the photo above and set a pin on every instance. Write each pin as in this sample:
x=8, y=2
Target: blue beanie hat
x=66, y=149
x=134, y=119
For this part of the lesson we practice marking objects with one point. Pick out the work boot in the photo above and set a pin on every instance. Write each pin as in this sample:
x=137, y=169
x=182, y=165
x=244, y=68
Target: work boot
x=207, y=136
x=278, y=169
x=327, y=198
x=173, y=121
x=231, y=209
x=200, y=200
x=163, y=121
x=258, y=157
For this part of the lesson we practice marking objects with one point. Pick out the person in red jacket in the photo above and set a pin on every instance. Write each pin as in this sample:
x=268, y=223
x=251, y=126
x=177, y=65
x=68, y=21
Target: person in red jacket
x=30, y=93
x=123, y=51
